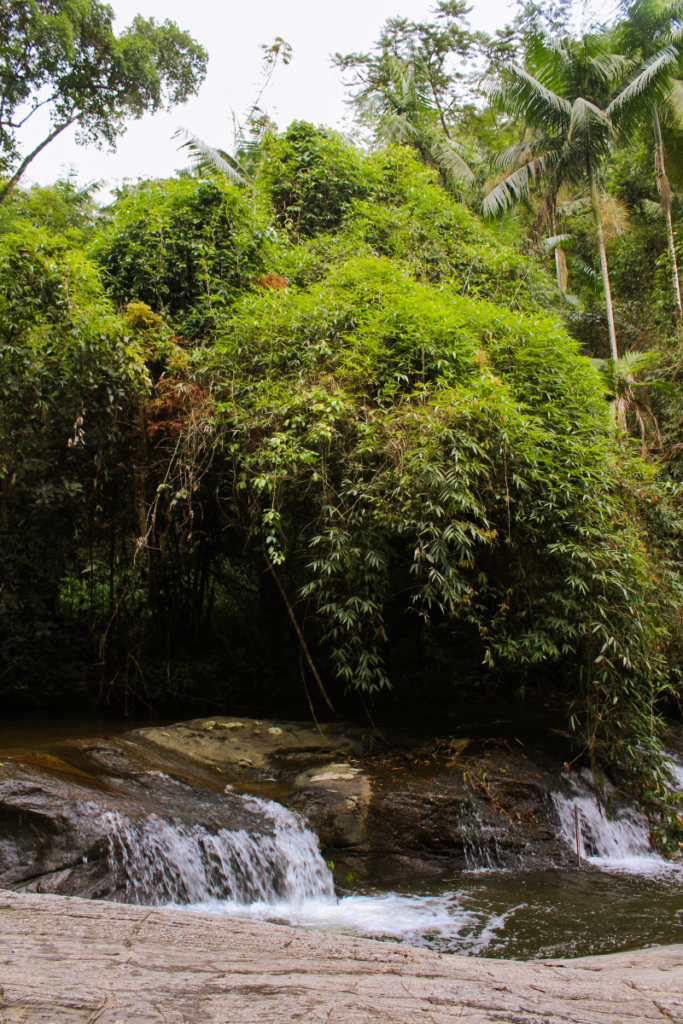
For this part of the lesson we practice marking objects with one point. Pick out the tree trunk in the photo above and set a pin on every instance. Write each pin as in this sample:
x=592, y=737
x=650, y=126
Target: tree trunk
x=665, y=192
x=16, y=178
x=597, y=221
x=561, y=268
x=560, y=260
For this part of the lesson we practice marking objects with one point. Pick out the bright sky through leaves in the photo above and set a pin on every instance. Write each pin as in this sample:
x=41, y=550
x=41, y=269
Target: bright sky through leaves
x=308, y=89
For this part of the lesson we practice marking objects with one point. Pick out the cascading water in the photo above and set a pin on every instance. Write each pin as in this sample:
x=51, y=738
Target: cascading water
x=253, y=858
x=274, y=872
x=622, y=843
x=156, y=861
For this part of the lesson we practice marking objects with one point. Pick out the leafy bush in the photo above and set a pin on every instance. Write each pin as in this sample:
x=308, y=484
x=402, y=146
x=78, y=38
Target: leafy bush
x=312, y=176
x=389, y=204
x=185, y=248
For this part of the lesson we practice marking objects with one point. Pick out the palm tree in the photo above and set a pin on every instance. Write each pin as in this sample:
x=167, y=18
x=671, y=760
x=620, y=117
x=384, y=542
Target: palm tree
x=629, y=397
x=241, y=166
x=653, y=94
x=204, y=158
x=407, y=117
x=561, y=93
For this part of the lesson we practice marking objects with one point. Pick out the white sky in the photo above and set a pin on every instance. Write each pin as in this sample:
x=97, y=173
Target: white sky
x=308, y=89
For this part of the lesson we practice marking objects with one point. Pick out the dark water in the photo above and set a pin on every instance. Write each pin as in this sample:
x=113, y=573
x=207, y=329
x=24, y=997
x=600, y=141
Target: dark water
x=27, y=731
x=511, y=914
x=524, y=915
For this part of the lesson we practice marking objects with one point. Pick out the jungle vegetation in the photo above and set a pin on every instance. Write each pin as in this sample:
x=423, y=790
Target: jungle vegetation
x=397, y=416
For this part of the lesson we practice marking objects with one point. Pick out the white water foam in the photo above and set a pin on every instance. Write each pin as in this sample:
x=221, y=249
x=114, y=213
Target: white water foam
x=622, y=844
x=156, y=861
x=276, y=873
x=438, y=921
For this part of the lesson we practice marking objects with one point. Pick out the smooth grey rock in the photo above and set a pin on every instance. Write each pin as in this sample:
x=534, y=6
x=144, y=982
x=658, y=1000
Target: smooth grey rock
x=73, y=961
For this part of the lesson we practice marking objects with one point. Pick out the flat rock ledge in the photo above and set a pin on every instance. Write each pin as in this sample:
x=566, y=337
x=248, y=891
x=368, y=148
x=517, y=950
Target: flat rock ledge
x=65, y=959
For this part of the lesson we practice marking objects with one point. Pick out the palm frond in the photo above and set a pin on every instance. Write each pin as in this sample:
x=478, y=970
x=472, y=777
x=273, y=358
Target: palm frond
x=609, y=67
x=587, y=271
x=640, y=85
x=574, y=207
x=586, y=118
x=549, y=59
x=674, y=37
x=521, y=152
x=449, y=160
x=550, y=244
x=673, y=103
x=510, y=191
x=208, y=154
x=624, y=369
x=396, y=128
x=520, y=93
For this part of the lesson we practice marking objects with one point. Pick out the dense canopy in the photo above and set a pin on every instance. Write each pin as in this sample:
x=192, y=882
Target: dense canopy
x=319, y=427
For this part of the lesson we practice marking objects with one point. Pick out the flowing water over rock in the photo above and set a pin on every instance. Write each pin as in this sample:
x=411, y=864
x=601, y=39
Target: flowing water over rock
x=618, y=843
x=156, y=862
x=416, y=856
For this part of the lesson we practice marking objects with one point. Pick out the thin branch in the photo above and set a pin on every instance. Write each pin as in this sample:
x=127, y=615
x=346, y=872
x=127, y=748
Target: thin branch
x=303, y=643
x=15, y=179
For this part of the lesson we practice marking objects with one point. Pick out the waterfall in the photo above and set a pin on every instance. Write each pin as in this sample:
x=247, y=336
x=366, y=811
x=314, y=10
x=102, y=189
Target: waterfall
x=270, y=869
x=622, y=843
x=156, y=861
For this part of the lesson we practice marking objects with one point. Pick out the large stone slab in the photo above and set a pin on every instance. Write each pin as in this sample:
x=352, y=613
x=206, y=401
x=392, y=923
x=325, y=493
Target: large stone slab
x=383, y=806
x=72, y=961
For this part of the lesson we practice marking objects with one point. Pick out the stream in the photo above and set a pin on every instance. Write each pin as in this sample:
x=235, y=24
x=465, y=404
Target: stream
x=623, y=897
x=252, y=857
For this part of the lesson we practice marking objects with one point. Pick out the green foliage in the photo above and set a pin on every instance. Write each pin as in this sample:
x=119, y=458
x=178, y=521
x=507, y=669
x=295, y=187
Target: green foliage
x=64, y=55
x=312, y=176
x=61, y=209
x=329, y=402
x=405, y=214
x=421, y=454
x=66, y=366
x=441, y=239
x=183, y=247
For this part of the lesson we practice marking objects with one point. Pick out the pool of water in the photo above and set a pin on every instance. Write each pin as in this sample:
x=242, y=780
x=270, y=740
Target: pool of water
x=621, y=896
x=520, y=915
x=28, y=731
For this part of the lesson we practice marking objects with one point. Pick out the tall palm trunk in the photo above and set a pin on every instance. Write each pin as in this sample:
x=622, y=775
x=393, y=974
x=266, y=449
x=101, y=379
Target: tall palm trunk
x=560, y=259
x=561, y=268
x=547, y=214
x=597, y=221
x=665, y=193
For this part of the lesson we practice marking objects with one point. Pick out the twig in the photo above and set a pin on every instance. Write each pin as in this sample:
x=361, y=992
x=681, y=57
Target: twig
x=308, y=697
x=383, y=738
x=304, y=646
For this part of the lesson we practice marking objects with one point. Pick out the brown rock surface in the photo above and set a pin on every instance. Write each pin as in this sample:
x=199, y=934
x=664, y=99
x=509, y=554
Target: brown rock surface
x=74, y=961
x=377, y=807
x=254, y=743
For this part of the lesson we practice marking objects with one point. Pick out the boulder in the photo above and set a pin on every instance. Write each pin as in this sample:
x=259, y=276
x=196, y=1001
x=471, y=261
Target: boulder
x=71, y=816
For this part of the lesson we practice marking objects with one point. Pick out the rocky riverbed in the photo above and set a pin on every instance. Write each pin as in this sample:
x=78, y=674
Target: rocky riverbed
x=70, y=961
x=460, y=843
x=381, y=808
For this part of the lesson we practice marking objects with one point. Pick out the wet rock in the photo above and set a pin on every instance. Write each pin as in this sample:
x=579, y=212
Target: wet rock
x=335, y=800
x=405, y=810
x=59, y=815
x=432, y=809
